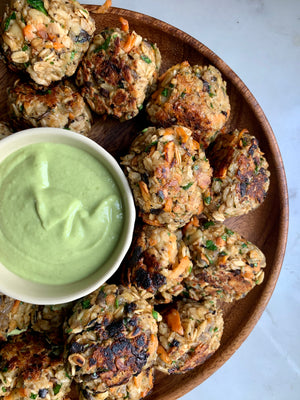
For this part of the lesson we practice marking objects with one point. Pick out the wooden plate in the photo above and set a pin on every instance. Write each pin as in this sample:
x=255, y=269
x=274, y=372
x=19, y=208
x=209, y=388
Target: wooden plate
x=267, y=226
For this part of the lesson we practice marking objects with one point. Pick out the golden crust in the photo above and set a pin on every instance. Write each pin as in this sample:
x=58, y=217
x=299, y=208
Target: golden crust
x=194, y=97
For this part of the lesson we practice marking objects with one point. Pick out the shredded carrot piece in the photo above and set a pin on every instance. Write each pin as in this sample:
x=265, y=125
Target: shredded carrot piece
x=110, y=299
x=222, y=260
x=144, y=191
x=168, y=131
x=124, y=25
x=52, y=36
x=57, y=45
x=169, y=150
x=138, y=380
x=149, y=221
x=15, y=306
x=129, y=43
x=168, y=205
x=174, y=322
x=180, y=268
x=28, y=32
x=152, y=242
x=182, y=134
x=153, y=344
x=196, y=145
x=71, y=116
x=200, y=208
x=161, y=352
x=220, y=241
x=101, y=9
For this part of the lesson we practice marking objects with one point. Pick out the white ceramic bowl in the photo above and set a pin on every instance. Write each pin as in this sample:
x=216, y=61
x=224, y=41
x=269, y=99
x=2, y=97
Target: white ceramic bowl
x=36, y=293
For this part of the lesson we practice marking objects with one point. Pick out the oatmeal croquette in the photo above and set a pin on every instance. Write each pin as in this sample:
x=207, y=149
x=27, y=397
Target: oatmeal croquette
x=169, y=176
x=241, y=176
x=189, y=333
x=46, y=38
x=191, y=96
x=58, y=106
x=225, y=265
x=137, y=388
x=157, y=263
x=32, y=367
x=5, y=130
x=15, y=316
x=112, y=336
x=118, y=72
x=49, y=318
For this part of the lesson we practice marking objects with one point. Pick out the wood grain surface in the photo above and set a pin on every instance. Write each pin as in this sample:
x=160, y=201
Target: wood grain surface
x=267, y=226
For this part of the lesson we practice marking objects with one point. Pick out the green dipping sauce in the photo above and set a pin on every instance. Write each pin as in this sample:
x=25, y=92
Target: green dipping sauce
x=61, y=213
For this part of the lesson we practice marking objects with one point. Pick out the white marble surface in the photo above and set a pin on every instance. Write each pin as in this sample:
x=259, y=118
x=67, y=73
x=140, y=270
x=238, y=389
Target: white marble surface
x=260, y=41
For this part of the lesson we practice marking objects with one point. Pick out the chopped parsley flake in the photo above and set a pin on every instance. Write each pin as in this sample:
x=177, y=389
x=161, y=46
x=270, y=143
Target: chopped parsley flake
x=38, y=5
x=207, y=200
x=150, y=145
x=56, y=389
x=7, y=22
x=155, y=314
x=207, y=224
x=186, y=187
x=210, y=245
x=103, y=46
x=146, y=59
x=165, y=92
x=85, y=304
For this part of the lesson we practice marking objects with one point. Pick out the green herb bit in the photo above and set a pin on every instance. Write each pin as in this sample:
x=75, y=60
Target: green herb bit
x=56, y=389
x=5, y=369
x=216, y=329
x=117, y=303
x=38, y=5
x=140, y=107
x=73, y=54
x=190, y=269
x=207, y=224
x=244, y=245
x=210, y=245
x=229, y=232
x=155, y=314
x=182, y=94
x=224, y=237
x=150, y=145
x=196, y=167
x=217, y=179
x=207, y=200
x=25, y=47
x=52, y=62
x=103, y=46
x=68, y=376
x=4, y=389
x=171, y=85
x=211, y=105
x=165, y=92
x=85, y=304
x=186, y=187
x=212, y=94
x=223, y=253
x=33, y=396
x=146, y=59
x=8, y=19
